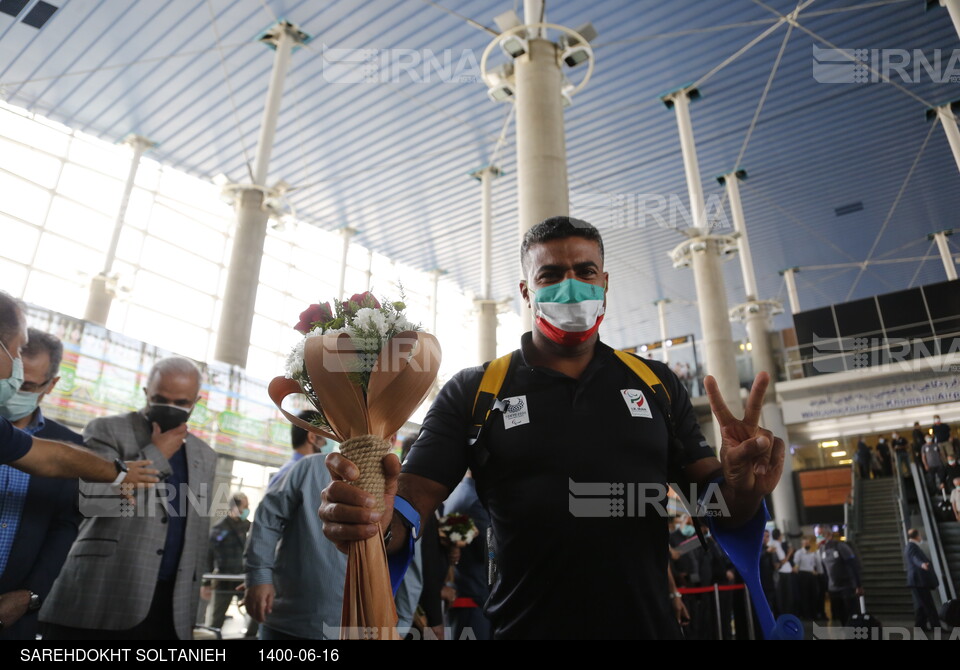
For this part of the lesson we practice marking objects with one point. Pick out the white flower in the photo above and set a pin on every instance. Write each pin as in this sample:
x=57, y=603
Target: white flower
x=294, y=365
x=368, y=319
x=455, y=537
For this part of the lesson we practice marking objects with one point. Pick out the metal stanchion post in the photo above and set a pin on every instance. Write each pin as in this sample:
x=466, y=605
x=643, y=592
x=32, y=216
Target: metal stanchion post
x=750, y=631
x=716, y=601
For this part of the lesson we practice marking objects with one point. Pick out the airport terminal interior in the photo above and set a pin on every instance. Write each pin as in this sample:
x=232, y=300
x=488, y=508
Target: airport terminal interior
x=776, y=185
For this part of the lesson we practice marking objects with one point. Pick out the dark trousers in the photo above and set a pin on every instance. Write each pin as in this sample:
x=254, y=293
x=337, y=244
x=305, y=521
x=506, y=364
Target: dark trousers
x=786, y=585
x=934, y=476
x=468, y=623
x=843, y=605
x=157, y=626
x=809, y=589
x=925, y=610
x=268, y=634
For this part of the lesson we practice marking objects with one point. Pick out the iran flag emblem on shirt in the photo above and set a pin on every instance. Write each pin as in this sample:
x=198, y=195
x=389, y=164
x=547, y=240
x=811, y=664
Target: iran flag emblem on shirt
x=636, y=402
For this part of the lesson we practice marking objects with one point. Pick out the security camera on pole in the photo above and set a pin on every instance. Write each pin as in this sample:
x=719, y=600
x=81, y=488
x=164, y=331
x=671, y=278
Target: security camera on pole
x=534, y=80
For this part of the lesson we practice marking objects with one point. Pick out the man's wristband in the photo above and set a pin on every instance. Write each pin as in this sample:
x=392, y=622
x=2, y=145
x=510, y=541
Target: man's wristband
x=122, y=471
x=409, y=517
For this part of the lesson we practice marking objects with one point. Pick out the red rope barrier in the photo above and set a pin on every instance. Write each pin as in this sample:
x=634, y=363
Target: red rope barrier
x=709, y=589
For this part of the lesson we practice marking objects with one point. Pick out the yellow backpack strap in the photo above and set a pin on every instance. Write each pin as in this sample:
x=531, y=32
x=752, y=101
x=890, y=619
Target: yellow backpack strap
x=643, y=371
x=490, y=385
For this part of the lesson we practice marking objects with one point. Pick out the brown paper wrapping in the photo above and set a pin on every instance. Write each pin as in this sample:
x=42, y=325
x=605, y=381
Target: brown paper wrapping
x=400, y=380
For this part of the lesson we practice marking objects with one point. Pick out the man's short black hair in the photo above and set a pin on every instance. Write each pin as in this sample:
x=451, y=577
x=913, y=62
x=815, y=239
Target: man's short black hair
x=557, y=228
x=11, y=318
x=298, y=435
x=776, y=533
x=41, y=342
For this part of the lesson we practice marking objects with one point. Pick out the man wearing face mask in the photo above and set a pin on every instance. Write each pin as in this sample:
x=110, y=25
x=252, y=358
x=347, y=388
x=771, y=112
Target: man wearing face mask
x=950, y=472
x=228, y=537
x=39, y=513
x=135, y=574
x=570, y=409
x=304, y=444
x=932, y=457
x=41, y=457
x=941, y=432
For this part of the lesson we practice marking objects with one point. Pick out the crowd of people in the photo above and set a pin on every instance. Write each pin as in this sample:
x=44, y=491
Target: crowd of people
x=935, y=450
x=124, y=553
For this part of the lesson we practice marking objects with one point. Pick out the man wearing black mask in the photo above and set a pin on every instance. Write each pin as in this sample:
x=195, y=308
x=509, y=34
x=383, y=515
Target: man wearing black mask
x=134, y=573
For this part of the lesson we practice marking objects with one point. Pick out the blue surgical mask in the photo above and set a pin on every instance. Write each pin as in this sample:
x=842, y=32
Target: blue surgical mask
x=244, y=514
x=687, y=530
x=10, y=386
x=19, y=405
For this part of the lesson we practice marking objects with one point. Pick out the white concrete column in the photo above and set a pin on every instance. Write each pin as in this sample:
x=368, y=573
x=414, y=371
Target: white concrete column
x=953, y=7
x=944, y=246
x=435, y=299
x=949, y=122
x=101, y=290
x=243, y=280
x=718, y=348
x=703, y=253
x=345, y=233
x=542, y=189
x=369, y=269
x=761, y=353
x=756, y=314
x=662, y=316
x=485, y=304
x=789, y=276
x=732, y=183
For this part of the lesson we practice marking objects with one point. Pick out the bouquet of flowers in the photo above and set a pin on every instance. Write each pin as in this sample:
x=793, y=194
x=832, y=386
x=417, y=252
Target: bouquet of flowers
x=365, y=368
x=458, y=529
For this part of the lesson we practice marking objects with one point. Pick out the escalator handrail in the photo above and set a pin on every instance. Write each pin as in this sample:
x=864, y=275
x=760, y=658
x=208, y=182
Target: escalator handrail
x=937, y=554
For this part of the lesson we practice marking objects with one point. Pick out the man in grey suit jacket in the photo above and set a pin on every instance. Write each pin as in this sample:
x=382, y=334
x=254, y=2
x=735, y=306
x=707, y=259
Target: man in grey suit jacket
x=921, y=579
x=134, y=572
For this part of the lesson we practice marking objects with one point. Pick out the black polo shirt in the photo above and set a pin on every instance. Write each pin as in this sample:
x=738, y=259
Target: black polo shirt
x=567, y=569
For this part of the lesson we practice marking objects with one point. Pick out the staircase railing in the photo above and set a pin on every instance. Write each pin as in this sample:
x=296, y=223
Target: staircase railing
x=937, y=554
x=852, y=509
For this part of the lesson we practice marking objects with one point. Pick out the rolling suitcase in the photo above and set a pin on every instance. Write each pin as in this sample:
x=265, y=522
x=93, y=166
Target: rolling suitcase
x=863, y=623
x=943, y=509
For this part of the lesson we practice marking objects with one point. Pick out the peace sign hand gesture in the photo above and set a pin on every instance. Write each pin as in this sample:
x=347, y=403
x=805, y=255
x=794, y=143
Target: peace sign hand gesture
x=752, y=457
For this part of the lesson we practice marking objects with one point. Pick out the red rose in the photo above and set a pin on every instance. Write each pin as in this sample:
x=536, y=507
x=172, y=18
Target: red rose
x=313, y=314
x=365, y=299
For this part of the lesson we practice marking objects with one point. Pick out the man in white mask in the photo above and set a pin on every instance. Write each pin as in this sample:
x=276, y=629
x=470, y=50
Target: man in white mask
x=39, y=513
x=570, y=411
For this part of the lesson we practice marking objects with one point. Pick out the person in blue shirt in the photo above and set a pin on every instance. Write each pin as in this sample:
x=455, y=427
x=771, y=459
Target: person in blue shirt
x=38, y=515
x=304, y=444
x=47, y=458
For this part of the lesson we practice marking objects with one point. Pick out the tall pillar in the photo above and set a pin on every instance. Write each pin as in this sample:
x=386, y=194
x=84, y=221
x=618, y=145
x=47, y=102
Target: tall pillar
x=662, y=314
x=704, y=251
x=101, y=286
x=944, y=246
x=789, y=276
x=435, y=298
x=243, y=279
x=953, y=7
x=949, y=122
x=542, y=189
x=346, y=233
x=756, y=315
x=485, y=304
